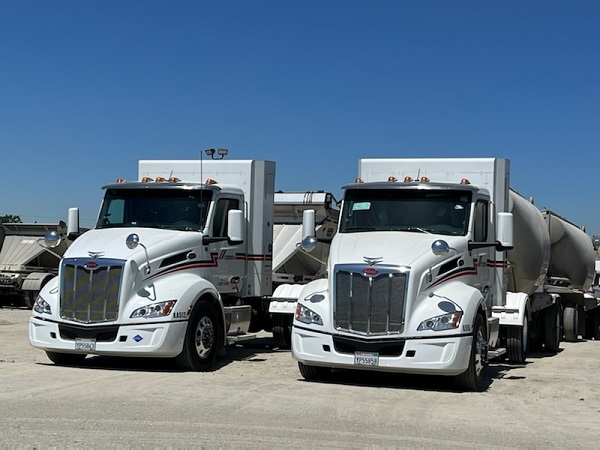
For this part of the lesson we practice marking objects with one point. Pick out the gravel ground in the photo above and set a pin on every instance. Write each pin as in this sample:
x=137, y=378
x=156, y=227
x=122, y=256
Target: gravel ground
x=257, y=398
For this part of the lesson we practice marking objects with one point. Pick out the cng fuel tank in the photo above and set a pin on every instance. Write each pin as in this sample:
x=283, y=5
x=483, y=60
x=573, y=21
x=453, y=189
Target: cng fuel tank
x=572, y=252
x=530, y=257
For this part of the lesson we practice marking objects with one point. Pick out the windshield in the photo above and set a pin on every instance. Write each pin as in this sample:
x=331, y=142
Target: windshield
x=417, y=210
x=173, y=209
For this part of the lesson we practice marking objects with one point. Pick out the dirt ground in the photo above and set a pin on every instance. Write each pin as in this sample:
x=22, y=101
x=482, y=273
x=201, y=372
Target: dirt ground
x=257, y=398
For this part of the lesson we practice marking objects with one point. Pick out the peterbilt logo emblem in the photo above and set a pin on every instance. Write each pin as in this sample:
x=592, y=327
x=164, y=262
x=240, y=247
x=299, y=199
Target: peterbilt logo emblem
x=372, y=261
x=91, y=265
x=95, y=254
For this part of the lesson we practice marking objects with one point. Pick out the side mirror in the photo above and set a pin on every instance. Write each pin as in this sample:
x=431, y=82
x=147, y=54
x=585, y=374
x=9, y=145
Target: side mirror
x=309, y=240
x=504, y=231
x=235, y=227
x=52, y=239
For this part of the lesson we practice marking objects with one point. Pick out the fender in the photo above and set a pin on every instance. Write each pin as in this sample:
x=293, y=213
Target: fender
x=515, y=311
x=284, y=298
x=36, y=280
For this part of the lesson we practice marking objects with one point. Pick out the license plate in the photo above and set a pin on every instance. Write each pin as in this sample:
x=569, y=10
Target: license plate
x=366, y=359
x=88, y=345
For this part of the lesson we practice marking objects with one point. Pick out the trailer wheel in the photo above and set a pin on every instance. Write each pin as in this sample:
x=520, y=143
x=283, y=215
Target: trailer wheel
x=552, y=332
x=472, y=378
x=282, y=331
x=65, y=359
x=201, y=341
x=314, y=373
x=517, y=342
x=29, y=298
x=595, y=324
x=570, y=322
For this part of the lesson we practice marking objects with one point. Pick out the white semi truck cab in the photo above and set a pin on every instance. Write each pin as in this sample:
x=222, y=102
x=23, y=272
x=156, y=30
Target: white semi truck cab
x=413, y=273
x=173, y=268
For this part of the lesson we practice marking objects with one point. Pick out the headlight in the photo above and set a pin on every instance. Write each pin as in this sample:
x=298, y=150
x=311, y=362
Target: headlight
x=41, y=306
x=444, y=322
x=154, y=310
x=306, y=315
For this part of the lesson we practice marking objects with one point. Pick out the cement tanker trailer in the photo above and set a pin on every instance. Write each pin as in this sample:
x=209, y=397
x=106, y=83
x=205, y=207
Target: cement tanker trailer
x=552, y=261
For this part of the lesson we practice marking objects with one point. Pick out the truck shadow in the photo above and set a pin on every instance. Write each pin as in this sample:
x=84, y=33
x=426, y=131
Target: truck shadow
x=250, y=350
x=495, y=371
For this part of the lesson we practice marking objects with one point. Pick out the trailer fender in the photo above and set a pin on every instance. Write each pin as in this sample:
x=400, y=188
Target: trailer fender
x=514, y=312
x=35, y=281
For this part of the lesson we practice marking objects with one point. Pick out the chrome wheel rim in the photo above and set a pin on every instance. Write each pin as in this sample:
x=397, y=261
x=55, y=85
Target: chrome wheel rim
x=205, y=337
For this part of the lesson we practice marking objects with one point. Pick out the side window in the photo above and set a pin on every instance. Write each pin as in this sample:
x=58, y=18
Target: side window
x=224, y=205
x=481, y=222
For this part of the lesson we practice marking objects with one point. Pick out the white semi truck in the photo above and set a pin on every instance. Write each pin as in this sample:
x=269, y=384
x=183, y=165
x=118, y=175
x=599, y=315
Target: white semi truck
x=174, y=267
x=437, y=267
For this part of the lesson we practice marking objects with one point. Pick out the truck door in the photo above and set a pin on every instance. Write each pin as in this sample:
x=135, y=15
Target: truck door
x=483, y=257
x=228, y=275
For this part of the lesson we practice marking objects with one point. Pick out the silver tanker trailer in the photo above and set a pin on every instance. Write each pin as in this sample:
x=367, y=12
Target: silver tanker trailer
x=553, y=262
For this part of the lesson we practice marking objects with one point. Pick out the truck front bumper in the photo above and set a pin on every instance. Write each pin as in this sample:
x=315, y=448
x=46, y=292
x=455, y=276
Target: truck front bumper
x=431, y=356
x=163, y=339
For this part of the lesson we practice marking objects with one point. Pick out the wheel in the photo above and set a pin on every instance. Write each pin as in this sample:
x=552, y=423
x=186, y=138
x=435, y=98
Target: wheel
x=282, y=331
x=201, y=341
x=314, y=373
x=570, y=321
x=472, y=378
x=29, y=298
x=595, y=324
x=517, y=342
x=66, y=359
x=552, y=333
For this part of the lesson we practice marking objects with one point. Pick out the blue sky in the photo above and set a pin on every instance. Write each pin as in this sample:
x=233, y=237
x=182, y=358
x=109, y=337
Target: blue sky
x=88, y=88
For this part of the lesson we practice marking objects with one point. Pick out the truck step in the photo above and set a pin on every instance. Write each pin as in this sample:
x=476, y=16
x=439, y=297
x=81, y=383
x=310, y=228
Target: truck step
x=492, y=354
x=234, y=338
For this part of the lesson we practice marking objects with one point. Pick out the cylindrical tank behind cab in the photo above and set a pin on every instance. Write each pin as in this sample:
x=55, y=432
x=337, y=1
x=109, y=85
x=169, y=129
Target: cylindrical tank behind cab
x=530, y=256
x=572, y=252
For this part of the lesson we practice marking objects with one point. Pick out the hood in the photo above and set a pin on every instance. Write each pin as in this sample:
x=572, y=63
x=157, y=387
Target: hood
x=110, y=243
x=395, y=248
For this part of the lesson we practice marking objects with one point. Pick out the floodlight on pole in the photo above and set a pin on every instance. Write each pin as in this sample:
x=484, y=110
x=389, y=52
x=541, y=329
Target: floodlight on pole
x=222, y=152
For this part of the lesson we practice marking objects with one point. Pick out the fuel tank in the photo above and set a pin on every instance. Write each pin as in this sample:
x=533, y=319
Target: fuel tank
x=572, y=253
x=530, y=257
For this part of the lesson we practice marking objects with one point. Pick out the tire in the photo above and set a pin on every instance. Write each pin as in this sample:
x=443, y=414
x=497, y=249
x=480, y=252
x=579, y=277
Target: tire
x=202, y=339
x=517, y=342
x=314, y=373
x=595, y=323
x=282, y=331
x=472, y=379
x=570, y=321
x=66, y=359
x=29, y=298
x=552, y=331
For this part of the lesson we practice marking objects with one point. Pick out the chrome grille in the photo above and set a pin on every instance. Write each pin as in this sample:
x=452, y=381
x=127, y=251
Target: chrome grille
x=90, y=289
x=370, y=304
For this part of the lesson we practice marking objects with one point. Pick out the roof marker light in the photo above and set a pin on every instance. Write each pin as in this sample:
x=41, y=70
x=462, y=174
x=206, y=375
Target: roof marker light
x=121, y=180
x=159, y=179
x=358, y=180
x=424, y=179
x=210, y=181
x=147, y=179
x=407, y=179
x=173, y=179
x=465, y=181
x=392, y=179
